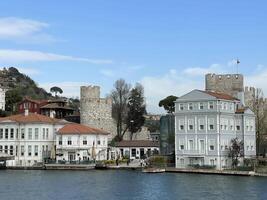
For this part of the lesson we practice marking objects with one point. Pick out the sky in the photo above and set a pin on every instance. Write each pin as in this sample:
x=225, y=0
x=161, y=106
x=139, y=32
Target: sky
x=168, y=46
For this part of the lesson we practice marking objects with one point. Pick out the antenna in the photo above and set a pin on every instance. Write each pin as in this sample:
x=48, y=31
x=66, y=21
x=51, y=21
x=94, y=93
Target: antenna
x=237, y=63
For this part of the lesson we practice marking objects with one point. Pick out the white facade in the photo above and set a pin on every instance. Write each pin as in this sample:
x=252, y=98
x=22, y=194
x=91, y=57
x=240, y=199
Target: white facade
x=30, y=143
x=137, y=152
x=2, y=99
x=204, y=127
x=81, y=147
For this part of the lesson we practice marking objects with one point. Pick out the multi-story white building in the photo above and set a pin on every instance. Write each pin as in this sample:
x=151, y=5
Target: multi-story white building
x=29, y=137
x=2, y=99
x=205, y=124
x=76, y=142
x=32, y=138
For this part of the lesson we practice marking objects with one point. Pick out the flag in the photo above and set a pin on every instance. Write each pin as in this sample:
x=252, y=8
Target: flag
x=237, y=61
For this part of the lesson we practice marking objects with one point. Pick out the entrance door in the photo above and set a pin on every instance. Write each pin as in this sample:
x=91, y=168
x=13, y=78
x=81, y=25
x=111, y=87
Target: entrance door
x=71, y=157
x=142, y=153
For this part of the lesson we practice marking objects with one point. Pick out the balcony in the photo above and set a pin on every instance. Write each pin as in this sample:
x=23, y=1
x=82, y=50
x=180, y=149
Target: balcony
x=191, y=152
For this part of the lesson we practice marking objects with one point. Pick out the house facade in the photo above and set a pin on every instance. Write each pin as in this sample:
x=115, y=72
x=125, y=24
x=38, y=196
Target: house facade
x=137, y=149
x=205, y=124
x=29, y=137
x=76, y=143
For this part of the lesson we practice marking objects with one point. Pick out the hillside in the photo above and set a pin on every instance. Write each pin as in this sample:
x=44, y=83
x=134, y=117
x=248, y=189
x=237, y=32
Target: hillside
x=19, y=85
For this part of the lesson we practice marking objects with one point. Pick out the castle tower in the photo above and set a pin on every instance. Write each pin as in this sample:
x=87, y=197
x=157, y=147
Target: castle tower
x=232, y=84
x=96, y=111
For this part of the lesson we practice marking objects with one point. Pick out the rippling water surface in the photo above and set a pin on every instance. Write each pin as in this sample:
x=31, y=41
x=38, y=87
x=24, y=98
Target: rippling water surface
x=120, y=185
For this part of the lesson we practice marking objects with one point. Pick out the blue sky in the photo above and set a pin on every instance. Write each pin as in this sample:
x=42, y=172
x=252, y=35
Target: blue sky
x=168, y=46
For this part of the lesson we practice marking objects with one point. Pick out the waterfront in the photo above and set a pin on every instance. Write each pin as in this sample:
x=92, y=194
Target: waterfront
x=123, y=184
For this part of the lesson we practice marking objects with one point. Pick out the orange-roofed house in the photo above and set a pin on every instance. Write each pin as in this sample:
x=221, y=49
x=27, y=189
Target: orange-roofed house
x=80, y=143
x=29, y=137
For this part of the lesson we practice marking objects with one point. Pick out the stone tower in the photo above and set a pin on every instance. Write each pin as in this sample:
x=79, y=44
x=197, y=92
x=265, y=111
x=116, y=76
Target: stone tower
x=232, y=84
x=96, y=111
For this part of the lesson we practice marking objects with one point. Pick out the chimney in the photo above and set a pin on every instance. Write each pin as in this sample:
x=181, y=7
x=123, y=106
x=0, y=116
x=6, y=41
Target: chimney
x=26, y=112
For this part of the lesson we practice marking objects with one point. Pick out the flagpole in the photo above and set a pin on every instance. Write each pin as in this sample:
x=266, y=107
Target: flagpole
x=237, y=62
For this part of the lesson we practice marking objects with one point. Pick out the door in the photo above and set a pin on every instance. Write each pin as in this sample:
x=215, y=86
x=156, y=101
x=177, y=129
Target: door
x=71, y=157
x=142, y=153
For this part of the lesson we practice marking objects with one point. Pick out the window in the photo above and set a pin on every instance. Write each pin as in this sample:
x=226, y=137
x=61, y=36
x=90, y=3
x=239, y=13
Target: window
x=238, y=128
x=226, y=147
x=22, y=133
x=69, y=141
x=182, y=161
x=6, y=133
x=60, y=140
x=212, y=162
x=181, y=106
x=190, y=106
x=29, y=150
x=201, y=106
x=211, y=106
x=225, y=106
x=191, y=145
x=43, y=133
x=1, y=148
x=36, y=150
x=47, y=132
x=191, y=127
x=202, y=146
x=133, y=152
x=98, y=142
x=30, y=133
x=36, y=133
x=6, y=149
x=11, y=152
x=251, y=148
x=22, y=150
x=182, y=147
x=201, y=127
x=211, y=147
x=12, y=133
x=84, y=141
x=211, y=126
x=1, y=133
x=181, y=127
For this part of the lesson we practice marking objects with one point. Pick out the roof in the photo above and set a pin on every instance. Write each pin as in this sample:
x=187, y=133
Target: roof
x=30, y=118
x=137, y=143
x=219, y=95
x=34, y=100
x=55, y=106
x=74, y=128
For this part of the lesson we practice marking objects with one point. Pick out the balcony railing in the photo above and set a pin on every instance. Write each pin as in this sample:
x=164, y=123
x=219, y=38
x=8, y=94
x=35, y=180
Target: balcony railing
x=191, y=152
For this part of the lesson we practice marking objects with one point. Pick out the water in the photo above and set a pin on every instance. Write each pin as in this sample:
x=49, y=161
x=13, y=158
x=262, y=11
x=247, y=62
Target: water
x=122, y=185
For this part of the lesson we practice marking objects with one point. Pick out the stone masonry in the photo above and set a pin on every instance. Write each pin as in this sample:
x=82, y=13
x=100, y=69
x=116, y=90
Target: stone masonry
x=96, y=111
x=232, y=84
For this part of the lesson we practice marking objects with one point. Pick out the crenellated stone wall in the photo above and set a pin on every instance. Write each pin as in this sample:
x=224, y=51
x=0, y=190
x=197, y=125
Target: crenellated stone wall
x=96, y=111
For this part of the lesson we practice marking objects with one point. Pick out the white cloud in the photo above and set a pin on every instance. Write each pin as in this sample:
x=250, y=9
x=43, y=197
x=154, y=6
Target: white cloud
x=24, y=30
x=259, y=79
x=159, y=87
x=10, y=55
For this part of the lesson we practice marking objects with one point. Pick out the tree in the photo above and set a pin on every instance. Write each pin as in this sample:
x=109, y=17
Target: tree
x=12, y=98
x=236, y=151
x=120, y=95
x=56, y=90
x=168, y=103
x=136, y=110
x=257, y=104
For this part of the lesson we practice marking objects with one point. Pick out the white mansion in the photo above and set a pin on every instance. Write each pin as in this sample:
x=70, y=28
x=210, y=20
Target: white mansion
x=32, y=138
x=205, y=123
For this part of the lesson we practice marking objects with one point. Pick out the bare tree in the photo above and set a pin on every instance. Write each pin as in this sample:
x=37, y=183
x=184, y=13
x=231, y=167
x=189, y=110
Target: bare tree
x=120, y=95
x=258, y=106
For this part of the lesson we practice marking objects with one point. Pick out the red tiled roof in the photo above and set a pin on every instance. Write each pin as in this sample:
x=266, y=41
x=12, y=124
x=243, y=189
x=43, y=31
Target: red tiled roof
x=34, y=100
x=30, y=118
x=74, y=128
x=55, y=106
x=137, y=143
x=219, y=95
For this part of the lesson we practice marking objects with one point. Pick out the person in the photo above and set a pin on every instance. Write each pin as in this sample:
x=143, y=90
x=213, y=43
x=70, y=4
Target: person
x=128, y=161
x=117, y=161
